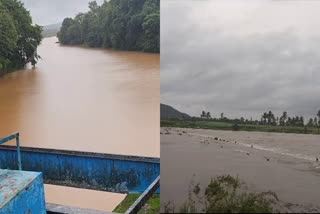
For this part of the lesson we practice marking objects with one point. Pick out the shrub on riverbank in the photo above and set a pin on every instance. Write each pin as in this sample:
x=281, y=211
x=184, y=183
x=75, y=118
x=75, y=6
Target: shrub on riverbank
x=117, y=24
x=224, y=195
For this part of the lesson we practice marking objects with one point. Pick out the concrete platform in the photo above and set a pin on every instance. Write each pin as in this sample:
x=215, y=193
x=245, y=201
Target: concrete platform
x=21, y=192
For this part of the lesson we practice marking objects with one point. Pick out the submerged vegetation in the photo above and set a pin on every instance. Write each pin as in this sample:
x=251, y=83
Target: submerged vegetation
x=19, y=38
x=267, y=123
x=151, y=207
x=117, y=24
x=224, y=194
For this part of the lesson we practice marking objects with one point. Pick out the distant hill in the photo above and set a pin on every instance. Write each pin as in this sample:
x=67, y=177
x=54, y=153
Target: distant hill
x=51, y=30
x=167, y=112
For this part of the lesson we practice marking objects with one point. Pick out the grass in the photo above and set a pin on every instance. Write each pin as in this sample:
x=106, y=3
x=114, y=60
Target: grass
x=151, y=207
x=240, y=127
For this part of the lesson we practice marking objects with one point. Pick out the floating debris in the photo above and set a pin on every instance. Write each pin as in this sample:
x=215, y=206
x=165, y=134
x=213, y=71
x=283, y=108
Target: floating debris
x=180, y=134
x=317, y=159
x=248, y=153
x=215, y=138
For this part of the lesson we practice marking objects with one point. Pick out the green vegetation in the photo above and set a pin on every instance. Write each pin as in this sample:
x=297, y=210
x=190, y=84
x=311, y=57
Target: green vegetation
x=152, y=206
x=268, y=123
x=117, y=24
x=224, y=195
x=19, y=39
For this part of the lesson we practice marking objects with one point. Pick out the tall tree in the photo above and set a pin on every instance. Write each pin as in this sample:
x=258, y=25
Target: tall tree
x=203, y=114
x=117, y=24
x=208, y=115
x=19, y=37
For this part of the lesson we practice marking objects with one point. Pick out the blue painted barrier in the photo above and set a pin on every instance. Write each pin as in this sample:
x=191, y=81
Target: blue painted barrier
x=108, y=172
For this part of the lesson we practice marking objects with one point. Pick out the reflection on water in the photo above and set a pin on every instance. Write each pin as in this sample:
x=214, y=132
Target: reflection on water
x=85, y=99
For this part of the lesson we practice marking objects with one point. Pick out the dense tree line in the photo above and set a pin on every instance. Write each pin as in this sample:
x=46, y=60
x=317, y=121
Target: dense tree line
x=117, y=24
x=19, y=38
x=269, y=119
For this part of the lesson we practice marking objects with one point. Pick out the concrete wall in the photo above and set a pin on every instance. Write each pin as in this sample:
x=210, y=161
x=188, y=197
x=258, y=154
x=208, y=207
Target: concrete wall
x=115, y=173
x=21, y=192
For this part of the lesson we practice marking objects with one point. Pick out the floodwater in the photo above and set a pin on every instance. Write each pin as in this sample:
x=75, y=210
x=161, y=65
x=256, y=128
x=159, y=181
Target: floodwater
x=283, y=163
x=85, y=99
x=95, y=200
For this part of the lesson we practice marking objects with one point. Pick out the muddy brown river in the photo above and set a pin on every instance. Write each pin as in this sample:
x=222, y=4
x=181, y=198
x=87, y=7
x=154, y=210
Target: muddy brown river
x=85, y=99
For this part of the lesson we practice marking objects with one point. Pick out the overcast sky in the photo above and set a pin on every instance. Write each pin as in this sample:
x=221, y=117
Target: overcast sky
x=46, y=12
x=241, y=57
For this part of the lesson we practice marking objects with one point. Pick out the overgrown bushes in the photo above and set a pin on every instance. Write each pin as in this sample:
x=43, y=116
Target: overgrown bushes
x=224, y=195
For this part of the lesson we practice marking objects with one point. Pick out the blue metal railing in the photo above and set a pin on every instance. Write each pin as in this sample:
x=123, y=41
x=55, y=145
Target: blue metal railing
x=10, y=137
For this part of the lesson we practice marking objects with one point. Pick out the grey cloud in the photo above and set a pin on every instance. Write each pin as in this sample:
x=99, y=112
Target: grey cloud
x=239, y=74
x=46, y=12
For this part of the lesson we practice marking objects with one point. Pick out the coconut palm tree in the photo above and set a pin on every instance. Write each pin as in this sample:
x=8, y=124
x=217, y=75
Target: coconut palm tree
x=208, y=115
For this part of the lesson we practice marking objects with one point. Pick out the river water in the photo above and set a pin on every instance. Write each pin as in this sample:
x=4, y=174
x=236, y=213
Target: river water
x=85, y=99
x=283, y=163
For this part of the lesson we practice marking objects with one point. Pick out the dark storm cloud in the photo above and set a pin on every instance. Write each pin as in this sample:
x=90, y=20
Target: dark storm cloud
x=46, y=12
x=220, y=65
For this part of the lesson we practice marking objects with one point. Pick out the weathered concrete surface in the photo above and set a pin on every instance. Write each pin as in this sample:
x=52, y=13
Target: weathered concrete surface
x=114, y=173
x=21, y=192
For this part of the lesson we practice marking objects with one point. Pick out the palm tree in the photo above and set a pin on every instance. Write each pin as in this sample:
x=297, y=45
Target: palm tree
x=203, y=114
x=318, y=114
x=208, y=115
x=283, y=118
x=310, y=123
x=301, y=121
x=265, y=117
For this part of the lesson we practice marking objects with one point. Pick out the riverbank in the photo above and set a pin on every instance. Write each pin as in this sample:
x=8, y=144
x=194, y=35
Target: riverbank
x=217, y=125
x=283, y=163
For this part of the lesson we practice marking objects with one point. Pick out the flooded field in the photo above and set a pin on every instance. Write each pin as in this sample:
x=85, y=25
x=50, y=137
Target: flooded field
x=85, y=99
x=283, y=163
